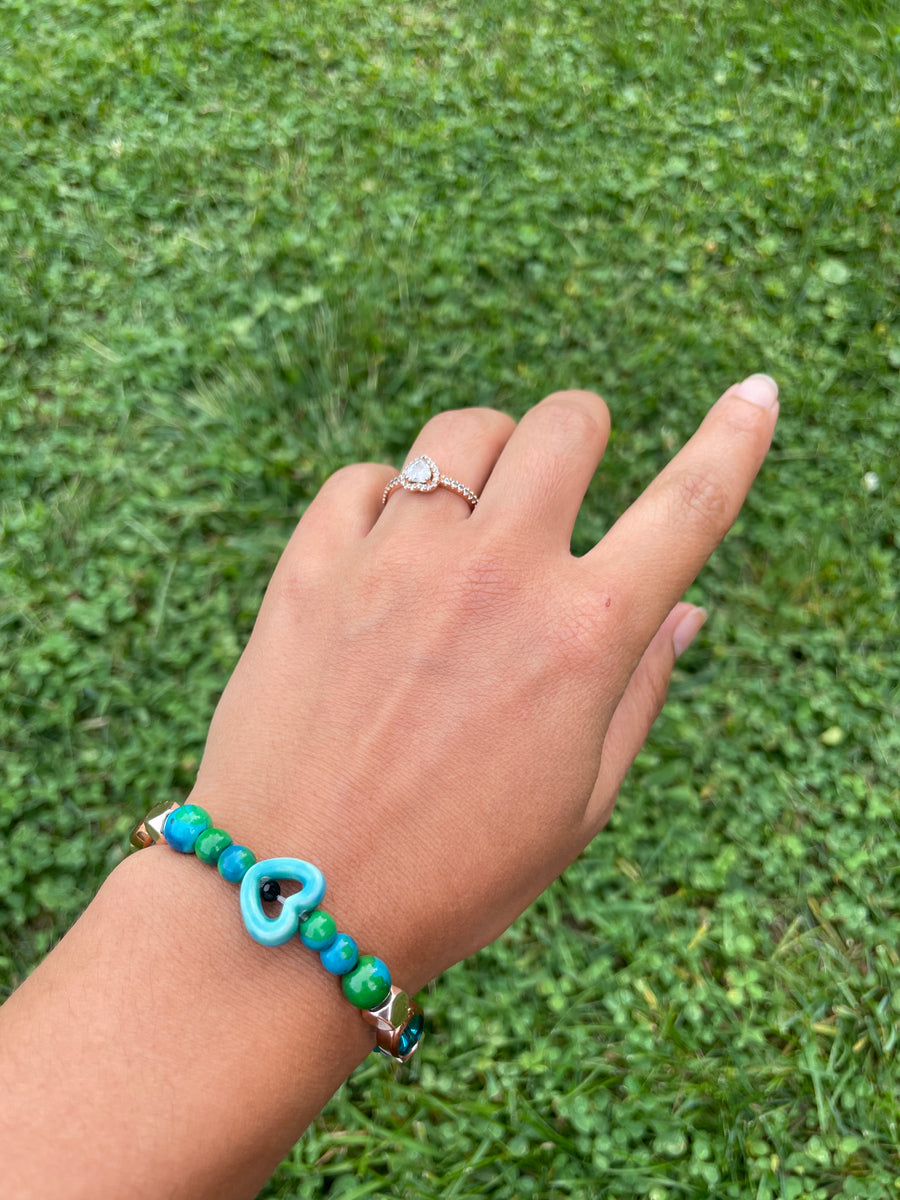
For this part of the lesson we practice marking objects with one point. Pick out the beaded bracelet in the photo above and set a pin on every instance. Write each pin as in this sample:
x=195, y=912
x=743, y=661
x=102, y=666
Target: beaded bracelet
x=366, y=981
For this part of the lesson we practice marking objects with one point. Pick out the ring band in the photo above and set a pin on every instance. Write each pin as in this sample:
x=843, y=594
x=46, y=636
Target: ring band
x=422, y=475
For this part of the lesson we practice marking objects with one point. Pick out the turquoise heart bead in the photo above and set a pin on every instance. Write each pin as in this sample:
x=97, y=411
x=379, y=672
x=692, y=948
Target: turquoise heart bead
x=275, y=931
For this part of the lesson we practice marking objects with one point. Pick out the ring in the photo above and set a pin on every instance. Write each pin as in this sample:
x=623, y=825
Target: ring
x=422, y=475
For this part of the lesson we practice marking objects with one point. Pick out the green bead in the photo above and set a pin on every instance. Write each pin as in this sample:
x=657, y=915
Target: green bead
x=210, y=844
x=318, y=930
x=368, y=984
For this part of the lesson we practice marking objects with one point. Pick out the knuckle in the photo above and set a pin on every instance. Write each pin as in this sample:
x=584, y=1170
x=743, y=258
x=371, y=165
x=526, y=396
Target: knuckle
x=298, y=581
x=574, y=419
x=705, y=497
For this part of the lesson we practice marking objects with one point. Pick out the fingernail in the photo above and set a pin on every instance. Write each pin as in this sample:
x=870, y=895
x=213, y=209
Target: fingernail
x=759, y=389
x=687, y=629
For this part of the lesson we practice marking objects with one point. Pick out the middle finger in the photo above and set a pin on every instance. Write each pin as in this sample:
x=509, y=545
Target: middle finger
x=543, y=473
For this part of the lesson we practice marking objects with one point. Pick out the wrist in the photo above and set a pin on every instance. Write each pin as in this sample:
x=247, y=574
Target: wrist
x=372, y=892
x=280, y=901
x=200, y=1055
x=258, y=1002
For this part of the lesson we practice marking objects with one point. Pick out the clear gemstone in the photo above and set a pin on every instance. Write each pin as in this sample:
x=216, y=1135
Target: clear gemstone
x=418, y=471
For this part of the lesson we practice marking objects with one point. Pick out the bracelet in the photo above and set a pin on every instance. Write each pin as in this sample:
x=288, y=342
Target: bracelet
x=366, y=981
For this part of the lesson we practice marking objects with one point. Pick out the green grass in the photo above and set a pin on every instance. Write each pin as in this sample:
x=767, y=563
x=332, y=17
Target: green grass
x=243, y=244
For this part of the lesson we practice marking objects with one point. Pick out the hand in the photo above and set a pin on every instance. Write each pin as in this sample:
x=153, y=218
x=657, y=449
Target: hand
x=437, y=705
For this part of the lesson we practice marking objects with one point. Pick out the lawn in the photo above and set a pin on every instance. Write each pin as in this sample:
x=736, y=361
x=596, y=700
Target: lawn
x=245, y=243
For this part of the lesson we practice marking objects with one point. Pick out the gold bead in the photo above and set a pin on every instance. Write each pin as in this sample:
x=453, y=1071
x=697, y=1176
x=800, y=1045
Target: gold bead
x=390, y=1019
x=150, y=830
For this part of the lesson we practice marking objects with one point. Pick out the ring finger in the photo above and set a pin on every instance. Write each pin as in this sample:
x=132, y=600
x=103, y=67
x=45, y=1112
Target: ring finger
x=464, y=445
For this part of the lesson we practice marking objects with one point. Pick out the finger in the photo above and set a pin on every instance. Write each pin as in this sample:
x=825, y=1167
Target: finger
x=464, y=445
x=541, y=477
x=345, y=508
x=641, y=703
x=340, y=515
x=656, y=548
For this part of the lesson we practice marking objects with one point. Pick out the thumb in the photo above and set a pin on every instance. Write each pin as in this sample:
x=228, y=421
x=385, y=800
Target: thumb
x=640, y=705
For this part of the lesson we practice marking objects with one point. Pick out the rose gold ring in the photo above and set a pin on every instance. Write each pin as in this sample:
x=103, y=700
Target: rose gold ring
x=422, y=475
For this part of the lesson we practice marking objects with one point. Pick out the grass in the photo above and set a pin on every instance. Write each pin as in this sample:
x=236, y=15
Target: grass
x=245, y=243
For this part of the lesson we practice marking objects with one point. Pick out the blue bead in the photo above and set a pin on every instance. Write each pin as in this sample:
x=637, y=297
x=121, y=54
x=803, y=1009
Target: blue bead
x=411, y=1035
x=341, y=956
x=234, y=863
x=184, y=825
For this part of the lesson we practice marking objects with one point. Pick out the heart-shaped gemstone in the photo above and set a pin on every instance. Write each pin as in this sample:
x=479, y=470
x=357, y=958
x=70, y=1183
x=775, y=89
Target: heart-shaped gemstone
x=422, y=474
x=275, y=931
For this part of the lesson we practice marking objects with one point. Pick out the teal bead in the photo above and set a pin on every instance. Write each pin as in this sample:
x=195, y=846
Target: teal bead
x=318, y=931
x=341, y=956
x=210, y=844
x=234, y=863
x=184, y=825
x=368, y=984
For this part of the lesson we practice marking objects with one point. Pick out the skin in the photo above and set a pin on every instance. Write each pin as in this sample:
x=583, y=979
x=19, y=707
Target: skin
x=437, y=707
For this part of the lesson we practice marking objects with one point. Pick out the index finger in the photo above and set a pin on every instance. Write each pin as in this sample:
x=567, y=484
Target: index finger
x=656, y=548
